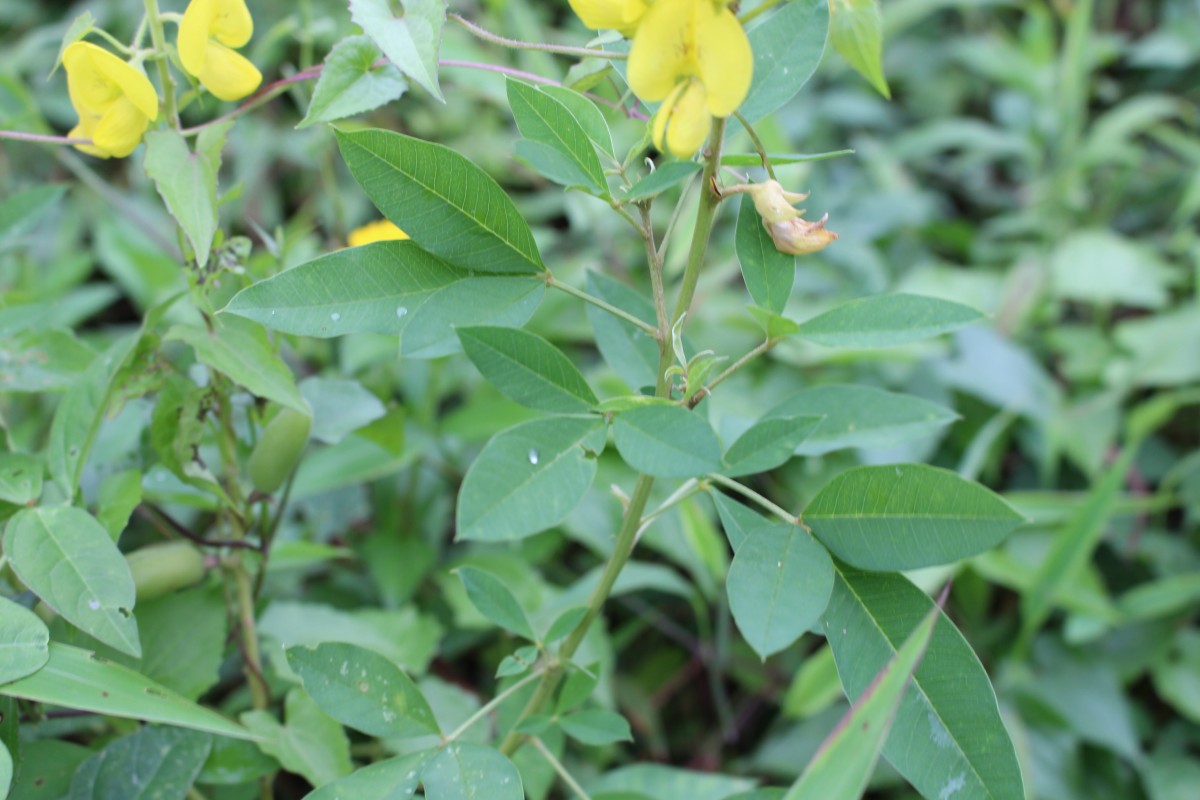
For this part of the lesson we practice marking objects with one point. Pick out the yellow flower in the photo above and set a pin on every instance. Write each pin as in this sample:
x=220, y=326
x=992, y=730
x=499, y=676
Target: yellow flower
x=694, y=56
x=115, y=101
x=379, y=231
x=208, y=32
x=602, y=15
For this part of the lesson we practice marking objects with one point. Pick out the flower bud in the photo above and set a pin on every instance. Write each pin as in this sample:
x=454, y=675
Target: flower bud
x=799, y=236
x=773, y=203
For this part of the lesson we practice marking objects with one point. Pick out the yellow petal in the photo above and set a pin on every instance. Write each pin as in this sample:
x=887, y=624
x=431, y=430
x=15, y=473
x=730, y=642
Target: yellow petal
x=120, y=129
x=658, y=129
x=379, y=231
x=87, y=124
x=228, y=74
x=90, y=90
x=689, y=124
x=662, y=49
x=724, y=58
x=192, y=42
x=599, y=15
x=131, y=82
x=231, y=23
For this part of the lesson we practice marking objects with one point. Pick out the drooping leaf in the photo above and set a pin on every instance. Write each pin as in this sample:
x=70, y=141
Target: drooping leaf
x=362, y=689
x=856, y=31
x=495, y=601
x=391, y=288
x=788, y=46
x=411, y=41
x=150, y=764
x=886, y=321
x=543, y=119
x=68, y=559
x=79, y=679
x=907, y=516
x=449, y=206
x=778, y=585
x=667, y=441
x=768, y=273
x=768, y=443
x=25, y=645
x=948, y=737
x=351, y=83
x=528, y=478
x=465, y=771
x=528, y=369
x=842, y=767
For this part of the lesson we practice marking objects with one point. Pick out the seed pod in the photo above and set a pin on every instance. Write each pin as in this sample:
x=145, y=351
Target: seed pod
x=162, y=568
x=278, y=450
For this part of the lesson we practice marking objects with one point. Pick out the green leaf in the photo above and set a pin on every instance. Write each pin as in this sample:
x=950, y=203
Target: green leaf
x=411, y=41
x=47, y=766
x=184, y=658
x=42, y=361
x=364, y=690
x=22, y=209
x=529, y=478
x=80, y=679
x=390, y=288
x=768, y=443
x=151, y=764
x=495, y=601
x=778, y=585
x=788, y=46
x=187, y=181
x=462, y=771
x=585, y=112
x=350, y=83
x=564, y=623
x=856, y=30
x=886, y=321
x=596, y=727
x=767, y=272
x=120, y=494
x=907, y=516
x=667, y=441
x=311, y=744
x=391, y=779
x=551, y=163
x=243, y=353
x=948, y=731
x=23, y=643
x=449, y=206
x=528, y=369
x=543, y=119
x=843, y=765
x=738, y=521
x=862, y=416
x=80, y=27
x=661, y=782
x=662, y=178
x=815, y=686
x=577, y=687
x=779, y=159
x=20, y=478
x=628, y=349
x=339, y=407
x=68, y=559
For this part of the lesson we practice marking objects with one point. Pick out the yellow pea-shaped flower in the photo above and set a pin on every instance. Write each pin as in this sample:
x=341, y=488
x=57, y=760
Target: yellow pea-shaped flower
x=114, y=100
x=602, y=15
x=378, y=231
x=209, y=34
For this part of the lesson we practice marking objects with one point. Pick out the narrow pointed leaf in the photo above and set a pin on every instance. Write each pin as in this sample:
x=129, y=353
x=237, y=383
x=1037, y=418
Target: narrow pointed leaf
x=528, y=369
x=447, y=204
x=768, y=273
x=907, y=516
x=667, y=441
x=856, y=31
x=495, y=601
x=767, y=444
x=661, y=179
x=545, y=120
x=79, y=679
x=886, y=321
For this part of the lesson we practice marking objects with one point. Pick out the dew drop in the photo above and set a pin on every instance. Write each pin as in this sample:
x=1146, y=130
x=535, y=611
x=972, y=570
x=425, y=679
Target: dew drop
x=534, y=457
x=779, y=564
x=94, y=605
x=345, y=670
x=335, y=316
x=401, y=311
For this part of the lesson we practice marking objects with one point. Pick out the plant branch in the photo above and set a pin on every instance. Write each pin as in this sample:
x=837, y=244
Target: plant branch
x=486, y=35
x=732, y=368
x=747, y=492
x=758, y=145
x=560, y=769
x=493, y=704
x=710, y=198
x=598, y=303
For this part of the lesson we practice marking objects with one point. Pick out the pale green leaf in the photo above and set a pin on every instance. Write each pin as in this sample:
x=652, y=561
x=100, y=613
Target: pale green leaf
x=150, y=764
x=768, y=443
x=24, y=642
x=661, y=179
x=311, y=743
x=410, y=41
x=585, y=112
x=339, y=407
x=42, y=361
x=351, y=83
x=20, y=478
x=463, y=771
x=20, y=210
x=528, y=369
x=738, y=521
x=856, y=31
x=68, y=559
x=596, y=727
x=886, y=321
x=187, y=181
x=660, y=782
x=626, y=348
x=495, y=601
x=120, y=494
x=667, y=441
x=391, y=779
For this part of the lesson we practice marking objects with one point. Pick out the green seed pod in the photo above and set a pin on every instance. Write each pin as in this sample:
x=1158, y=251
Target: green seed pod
x=278, y=450
x=162, y=568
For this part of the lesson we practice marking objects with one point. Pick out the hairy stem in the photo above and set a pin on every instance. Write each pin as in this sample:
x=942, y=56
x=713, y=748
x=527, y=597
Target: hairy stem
x=486, y=35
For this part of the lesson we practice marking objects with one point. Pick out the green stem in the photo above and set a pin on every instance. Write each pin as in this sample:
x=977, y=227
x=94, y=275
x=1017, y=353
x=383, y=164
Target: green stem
x=732, y=368
x=492, y=705
x=159, y=40
x=486, y=35
x=764, y=6
x=758, y=145
x=655, y=262
x=750, y=494
x=112, y=40
x=560, y=769
x=686, y=489
x=710, y=198
x=598, y=303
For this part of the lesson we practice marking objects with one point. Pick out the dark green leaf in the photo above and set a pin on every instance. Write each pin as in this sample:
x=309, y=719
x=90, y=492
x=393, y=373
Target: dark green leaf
x=543, y=119
x=528, y=369
x=767, y=272
x=662, y=178
x=586, y=112
x=768, y=443
x=667, y=441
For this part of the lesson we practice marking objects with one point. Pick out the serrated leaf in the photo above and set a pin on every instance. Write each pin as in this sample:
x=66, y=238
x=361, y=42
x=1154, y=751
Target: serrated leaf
x=150, y=764
x=391, y=288
x=391, y=779
x=80, y=679
x=626, y=348
x=24, y=642
x=845, y=761
x=363, y=689
x=886, y=321
x=528, y=369
x=68, y=559
x=448, y=206
x=862, y=416
x=778, y=585
x=596, y=727
x=767, y=444
x=187, y=181
x=411, y=41
x=667, y=441
x=907, y=516
x=464, y=771
x=529, y=478
x=768, y=273
x=495, y=601
x=350, y=83
x=856, y=31
x=948, y=731
x=661, y=179
x=311, y=743
x=543, y=119
x=788, y=46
